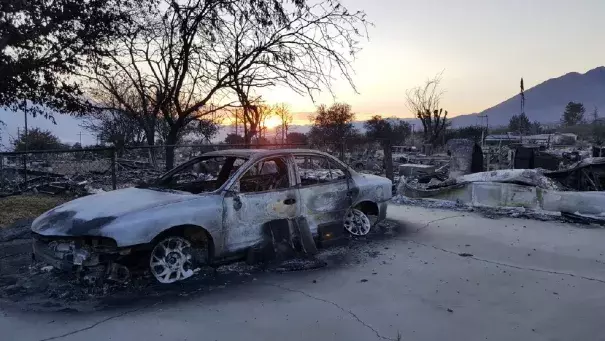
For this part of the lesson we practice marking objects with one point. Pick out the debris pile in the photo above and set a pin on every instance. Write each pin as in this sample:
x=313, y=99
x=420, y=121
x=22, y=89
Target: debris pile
x=566, y=182
x=585, y=175
x=77, y=180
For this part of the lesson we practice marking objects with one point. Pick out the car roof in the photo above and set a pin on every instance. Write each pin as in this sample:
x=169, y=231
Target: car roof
x=260, y=153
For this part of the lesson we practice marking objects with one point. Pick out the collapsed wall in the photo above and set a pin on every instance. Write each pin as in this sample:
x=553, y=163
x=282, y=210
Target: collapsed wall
x=465, y=157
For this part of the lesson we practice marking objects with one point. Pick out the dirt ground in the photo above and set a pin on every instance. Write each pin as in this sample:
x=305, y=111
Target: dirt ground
x=446, y=275
x=32, y=287
x=18, y=207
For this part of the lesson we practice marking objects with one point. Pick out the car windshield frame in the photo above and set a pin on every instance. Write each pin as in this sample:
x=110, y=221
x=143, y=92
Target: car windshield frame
x=160, y=180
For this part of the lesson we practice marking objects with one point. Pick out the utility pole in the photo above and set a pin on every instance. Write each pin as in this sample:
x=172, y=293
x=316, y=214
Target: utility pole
x=25, y=140
x=522, y=95
x=25, y=114
x=80, y=133
x=484, y=131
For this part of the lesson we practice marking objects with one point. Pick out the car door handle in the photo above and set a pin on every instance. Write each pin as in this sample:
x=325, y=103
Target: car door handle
x=289, y=201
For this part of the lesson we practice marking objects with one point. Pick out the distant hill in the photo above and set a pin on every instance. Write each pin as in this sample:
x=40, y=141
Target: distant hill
x=546, y=101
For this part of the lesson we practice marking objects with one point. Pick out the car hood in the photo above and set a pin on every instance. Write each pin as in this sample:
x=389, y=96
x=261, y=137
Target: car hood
x=374, y=187
x=84, y=215
x=373, y=179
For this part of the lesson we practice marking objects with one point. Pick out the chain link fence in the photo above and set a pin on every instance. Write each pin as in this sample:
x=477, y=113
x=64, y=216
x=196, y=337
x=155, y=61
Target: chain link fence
x=55, y=171
x=83, y=171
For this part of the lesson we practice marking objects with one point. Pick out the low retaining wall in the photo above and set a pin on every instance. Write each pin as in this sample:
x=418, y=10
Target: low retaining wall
x=494, y=194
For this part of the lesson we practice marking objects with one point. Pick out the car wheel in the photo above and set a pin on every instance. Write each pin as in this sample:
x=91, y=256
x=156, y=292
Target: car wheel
x=356, y=222
x=172, y=260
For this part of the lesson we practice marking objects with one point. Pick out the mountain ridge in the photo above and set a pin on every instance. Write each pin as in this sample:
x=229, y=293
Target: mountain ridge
x=546, y=101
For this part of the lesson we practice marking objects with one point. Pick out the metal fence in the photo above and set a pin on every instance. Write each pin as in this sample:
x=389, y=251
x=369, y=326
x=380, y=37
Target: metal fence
x=92, y=169
x=52, y=171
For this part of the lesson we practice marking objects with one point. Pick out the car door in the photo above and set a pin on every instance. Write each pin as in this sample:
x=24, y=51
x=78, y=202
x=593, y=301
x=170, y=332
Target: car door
x=255, y=200
x=325, y=190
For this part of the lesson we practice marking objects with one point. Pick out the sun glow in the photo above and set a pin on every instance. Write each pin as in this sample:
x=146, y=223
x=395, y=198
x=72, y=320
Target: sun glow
x=272, y=122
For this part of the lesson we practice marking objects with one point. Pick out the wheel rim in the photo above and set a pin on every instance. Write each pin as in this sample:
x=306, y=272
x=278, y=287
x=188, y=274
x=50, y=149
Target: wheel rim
x=357, y=223
x=171, y=260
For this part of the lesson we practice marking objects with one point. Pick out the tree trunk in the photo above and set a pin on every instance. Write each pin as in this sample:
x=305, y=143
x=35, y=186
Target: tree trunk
x=254, y=132
x=119, y=145
x=247, y=137
x=250, y=133
x=283, y=128
x=150, y=137
x=171, y=140
x=388, y=159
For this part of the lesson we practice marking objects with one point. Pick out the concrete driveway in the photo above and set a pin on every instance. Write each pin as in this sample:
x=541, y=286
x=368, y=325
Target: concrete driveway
x=447, y=276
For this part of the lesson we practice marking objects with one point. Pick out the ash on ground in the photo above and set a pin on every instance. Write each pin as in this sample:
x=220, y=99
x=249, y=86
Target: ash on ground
x=39, y=287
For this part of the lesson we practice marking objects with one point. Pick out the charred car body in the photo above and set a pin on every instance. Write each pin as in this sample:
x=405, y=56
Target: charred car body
x=211, y=209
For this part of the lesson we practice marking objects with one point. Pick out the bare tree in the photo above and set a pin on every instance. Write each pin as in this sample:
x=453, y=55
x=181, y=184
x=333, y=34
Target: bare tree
x=115, y=128
x=300, y=50
x=423, y=102
x=192, y=56
x=285, y=116
x=113, y=90
x=254, y=113
x=234, y=117
x=250, y=115
x=165, y=66
x=265, y=112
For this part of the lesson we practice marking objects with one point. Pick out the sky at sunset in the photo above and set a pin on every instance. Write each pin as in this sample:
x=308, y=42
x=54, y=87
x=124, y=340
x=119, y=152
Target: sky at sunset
x=483, y=46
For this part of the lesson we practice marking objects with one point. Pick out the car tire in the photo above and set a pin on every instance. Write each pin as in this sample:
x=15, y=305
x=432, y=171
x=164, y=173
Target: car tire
x=174, y=258
x=357, y=223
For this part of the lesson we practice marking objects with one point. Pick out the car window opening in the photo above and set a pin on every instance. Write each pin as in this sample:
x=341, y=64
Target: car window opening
x=202, y=175
x=317, y=169
x=265, y=175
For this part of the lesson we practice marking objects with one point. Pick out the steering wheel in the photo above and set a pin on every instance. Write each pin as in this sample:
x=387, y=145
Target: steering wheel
x=186, y=177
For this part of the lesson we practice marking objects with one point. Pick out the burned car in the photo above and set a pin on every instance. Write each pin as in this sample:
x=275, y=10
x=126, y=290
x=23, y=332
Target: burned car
x=211, y=209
